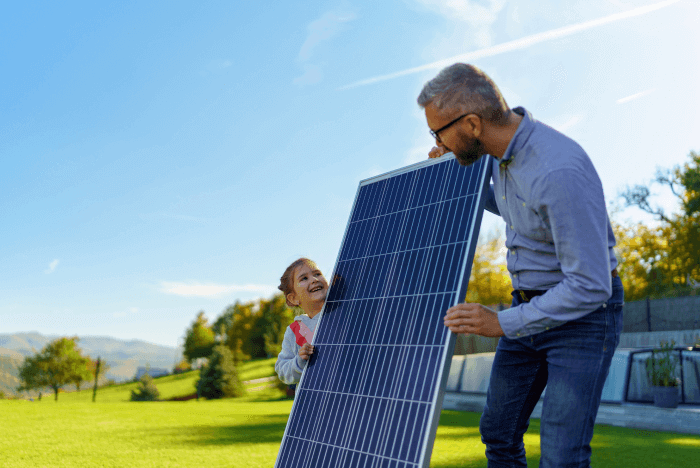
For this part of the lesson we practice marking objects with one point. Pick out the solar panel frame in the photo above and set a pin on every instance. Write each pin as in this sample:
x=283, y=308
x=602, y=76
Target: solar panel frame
x=480, y=177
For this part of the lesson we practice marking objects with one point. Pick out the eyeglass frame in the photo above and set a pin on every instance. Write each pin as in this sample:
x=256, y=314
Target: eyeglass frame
x=436, y=133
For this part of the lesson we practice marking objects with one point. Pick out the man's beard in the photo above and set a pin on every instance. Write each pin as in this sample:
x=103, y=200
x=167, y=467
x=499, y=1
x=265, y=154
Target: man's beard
x=473, y=151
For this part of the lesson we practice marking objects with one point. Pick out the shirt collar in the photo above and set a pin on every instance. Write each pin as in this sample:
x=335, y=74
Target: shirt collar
x=520, y=137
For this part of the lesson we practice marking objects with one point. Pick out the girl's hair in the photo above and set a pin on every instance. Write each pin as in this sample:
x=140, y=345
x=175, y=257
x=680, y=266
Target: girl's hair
x=287, y=279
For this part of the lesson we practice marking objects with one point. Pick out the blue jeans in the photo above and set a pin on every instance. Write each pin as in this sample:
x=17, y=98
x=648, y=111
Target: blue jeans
x=572, y=361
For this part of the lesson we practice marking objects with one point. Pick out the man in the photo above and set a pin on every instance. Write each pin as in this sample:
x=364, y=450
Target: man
x=566, y=317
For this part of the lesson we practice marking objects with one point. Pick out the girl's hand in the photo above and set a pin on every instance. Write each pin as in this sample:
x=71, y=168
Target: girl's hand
x=306, y=351
x=436, y=152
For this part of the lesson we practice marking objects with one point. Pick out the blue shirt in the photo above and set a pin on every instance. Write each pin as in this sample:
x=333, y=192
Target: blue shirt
x=558, y=234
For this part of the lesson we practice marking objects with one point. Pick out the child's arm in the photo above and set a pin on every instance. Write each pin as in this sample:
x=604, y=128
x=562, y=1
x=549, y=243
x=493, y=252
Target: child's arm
x=289, y=365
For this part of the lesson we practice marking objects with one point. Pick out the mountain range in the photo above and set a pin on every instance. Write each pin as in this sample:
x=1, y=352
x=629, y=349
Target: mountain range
x=123, y=357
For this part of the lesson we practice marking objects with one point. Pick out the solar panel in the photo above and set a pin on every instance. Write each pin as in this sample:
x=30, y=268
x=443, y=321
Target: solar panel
x=371, y=394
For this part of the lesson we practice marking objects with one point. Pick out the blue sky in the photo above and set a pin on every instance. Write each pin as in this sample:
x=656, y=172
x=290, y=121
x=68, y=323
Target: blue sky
x=161, y=158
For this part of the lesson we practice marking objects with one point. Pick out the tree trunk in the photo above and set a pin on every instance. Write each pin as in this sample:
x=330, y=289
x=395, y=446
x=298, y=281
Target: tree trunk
x=55, y=392
x=97, y=374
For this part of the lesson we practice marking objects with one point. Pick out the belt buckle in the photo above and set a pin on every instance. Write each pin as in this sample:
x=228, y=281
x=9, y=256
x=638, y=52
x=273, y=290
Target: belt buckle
x=523, y=296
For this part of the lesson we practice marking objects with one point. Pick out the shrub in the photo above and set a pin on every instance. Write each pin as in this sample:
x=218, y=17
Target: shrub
x=182, y=366
x=219, y=378
x=147, y=390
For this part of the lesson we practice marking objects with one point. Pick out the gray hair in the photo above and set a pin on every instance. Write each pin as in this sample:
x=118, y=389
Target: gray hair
x=467, y=88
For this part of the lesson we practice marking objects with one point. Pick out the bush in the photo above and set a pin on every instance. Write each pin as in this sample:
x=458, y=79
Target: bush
x=182, y=366
x=147, y=390
x=219, y=378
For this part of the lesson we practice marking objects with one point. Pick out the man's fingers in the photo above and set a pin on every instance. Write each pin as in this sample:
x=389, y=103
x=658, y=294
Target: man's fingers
x=460, y=310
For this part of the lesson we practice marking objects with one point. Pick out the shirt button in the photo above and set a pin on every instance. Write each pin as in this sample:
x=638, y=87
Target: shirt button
x=546, y=328
x=511, y=226
x=504, y=197
x=517, y=334
x=515, y=275
x=523, y=203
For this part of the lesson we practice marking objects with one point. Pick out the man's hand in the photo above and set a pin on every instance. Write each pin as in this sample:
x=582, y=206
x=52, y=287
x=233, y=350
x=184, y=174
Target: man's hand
x=306, y=351
x=437, y=151
x=473, y=318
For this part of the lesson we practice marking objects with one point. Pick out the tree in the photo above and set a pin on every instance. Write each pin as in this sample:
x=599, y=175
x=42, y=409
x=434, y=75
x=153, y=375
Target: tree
x=255, y=329
x=673, y=260
x=146, y=391
x=59, y=363
x=275, y=318
x=219, y=378
x=84, y=373
x=182, y=366
x=199, y=339
x=100, y=367
x=489, y=282
x=641, y=250
x=238, y=334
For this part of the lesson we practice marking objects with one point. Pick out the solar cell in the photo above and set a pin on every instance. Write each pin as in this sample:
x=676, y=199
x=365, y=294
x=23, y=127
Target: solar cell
x=371, y=394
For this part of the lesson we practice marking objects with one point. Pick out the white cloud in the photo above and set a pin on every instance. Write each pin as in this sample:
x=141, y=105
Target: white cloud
x=518, y=44
x=312, y=75
x=52, y=267
x=566, y=121
x=322, y=29
x=479, y=16
x=635, y=96
x=319, y=31
x=206, y=290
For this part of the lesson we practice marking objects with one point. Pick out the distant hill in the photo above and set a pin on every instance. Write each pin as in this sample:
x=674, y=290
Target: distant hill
x=8, y=373
x=123, y=357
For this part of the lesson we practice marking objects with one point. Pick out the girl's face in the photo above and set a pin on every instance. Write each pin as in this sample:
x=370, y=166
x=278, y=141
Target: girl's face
x=310, y=288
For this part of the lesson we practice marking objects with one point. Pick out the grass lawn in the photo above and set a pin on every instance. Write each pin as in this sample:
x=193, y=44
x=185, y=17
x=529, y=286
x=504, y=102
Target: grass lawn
x=246, y=432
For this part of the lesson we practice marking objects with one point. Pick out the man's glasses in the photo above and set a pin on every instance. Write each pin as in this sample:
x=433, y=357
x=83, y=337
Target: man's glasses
x=436, y=133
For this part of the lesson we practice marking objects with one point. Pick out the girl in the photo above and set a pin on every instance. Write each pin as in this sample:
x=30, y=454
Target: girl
x=304, y=287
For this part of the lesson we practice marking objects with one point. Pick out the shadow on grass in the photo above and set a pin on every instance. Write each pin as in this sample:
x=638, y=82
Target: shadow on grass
x=254, y=430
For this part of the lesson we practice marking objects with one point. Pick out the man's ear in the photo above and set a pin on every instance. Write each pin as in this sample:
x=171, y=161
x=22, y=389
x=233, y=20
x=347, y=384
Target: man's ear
x=474, y=123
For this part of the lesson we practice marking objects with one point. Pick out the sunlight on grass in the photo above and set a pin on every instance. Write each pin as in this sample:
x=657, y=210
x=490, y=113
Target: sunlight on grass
x=247, y=431
x=169, y=386
x=684, y=441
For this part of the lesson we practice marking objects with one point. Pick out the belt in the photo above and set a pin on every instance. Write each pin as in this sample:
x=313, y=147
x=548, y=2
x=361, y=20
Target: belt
x=526, y=295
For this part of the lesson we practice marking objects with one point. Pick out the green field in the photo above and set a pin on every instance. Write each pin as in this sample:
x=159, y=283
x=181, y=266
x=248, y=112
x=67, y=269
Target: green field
x=246, y=432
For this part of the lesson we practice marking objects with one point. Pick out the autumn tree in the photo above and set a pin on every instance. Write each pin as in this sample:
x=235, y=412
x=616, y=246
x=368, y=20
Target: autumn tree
x=275, y=318
x=672, y=260
x=59, y=363
x=489, y=282
x=242, y=319
x=640, y=250
x=199, y=339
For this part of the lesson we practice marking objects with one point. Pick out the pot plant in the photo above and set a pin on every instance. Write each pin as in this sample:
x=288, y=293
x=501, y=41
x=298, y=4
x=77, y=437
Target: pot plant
x=662, y=370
